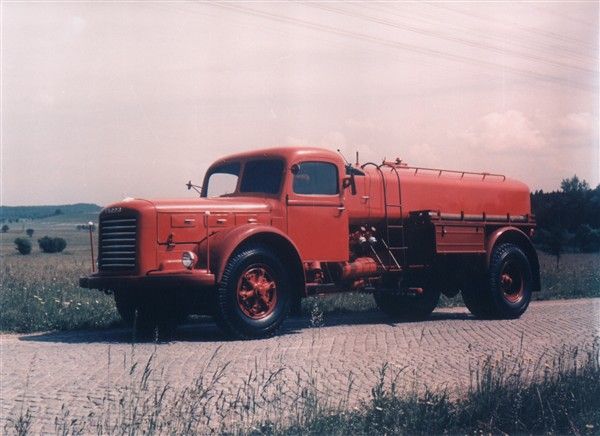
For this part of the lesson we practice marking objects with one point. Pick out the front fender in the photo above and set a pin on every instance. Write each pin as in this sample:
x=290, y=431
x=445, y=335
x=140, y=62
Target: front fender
x=224, y=243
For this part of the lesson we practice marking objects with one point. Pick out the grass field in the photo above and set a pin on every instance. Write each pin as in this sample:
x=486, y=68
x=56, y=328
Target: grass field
x=40, y=291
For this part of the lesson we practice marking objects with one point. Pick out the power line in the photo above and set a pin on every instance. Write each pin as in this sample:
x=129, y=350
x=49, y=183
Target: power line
x=563, y=38
x=454, y=39
x=397, y=45
x=491, y=35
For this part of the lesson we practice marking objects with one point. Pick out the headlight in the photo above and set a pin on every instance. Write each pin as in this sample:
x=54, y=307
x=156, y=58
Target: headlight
x=188, y=259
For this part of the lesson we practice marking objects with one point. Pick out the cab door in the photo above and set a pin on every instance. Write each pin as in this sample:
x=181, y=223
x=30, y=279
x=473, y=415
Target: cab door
x=317, y=219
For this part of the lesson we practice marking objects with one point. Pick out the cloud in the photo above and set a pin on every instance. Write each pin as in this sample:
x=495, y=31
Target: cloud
x=363, y=124
x=577, y=123
x=575, y=130
x=293, y=141
x=503, y=132
x=333, y=140
x=423, y=154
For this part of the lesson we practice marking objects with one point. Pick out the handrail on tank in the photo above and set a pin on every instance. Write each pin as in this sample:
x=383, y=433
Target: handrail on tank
x=399, y=164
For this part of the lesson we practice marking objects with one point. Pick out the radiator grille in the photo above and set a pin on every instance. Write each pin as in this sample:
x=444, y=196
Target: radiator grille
x=118, y=244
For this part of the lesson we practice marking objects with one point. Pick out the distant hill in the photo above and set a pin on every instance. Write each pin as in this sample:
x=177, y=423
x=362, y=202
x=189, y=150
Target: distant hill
x=37, y=212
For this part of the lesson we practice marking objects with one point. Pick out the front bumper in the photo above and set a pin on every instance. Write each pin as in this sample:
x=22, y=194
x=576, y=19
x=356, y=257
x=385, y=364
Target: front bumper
x=191, y=279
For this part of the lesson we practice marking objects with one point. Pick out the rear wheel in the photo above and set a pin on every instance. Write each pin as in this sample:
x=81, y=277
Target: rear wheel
x=505, y=291
x=411, y=300
x=254, y=295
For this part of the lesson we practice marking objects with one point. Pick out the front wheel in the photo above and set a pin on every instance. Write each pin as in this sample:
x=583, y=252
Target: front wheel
x=254, y=295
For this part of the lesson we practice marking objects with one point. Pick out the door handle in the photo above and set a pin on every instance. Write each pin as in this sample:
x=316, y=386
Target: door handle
x=341, y=208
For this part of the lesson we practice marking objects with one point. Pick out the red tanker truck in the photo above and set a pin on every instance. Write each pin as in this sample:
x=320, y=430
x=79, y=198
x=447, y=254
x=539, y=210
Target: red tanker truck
x=272, y=226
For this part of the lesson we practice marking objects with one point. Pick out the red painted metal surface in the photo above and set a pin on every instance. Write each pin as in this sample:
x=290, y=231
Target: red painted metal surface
x=361, y=267
x=316, y=228
x=512, y=283
x=445, y=193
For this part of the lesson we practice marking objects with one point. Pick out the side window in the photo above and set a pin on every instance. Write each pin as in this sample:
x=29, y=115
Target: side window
x=316, y=178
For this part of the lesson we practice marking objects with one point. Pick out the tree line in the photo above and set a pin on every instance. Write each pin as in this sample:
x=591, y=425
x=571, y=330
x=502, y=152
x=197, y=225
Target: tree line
x=568, y=218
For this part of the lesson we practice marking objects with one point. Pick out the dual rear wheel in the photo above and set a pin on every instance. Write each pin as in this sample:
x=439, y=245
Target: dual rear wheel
x=504, y=291
x=413, y=299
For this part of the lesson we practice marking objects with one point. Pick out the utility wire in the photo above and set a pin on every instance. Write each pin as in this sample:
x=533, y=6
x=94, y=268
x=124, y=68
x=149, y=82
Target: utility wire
x=489, y=35
x=528, y=29
x=454, y=39
x=398, y=45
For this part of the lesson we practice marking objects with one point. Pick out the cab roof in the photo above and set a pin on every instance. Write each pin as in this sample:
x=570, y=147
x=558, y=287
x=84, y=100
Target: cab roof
x=289, y=154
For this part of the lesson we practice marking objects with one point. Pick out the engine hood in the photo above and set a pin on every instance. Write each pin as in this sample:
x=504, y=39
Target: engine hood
x=223, y=204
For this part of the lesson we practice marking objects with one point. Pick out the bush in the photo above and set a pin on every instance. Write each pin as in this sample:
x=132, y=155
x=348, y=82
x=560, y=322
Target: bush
x=29, y=232
x=52, y=245
x=587, y=239
x=5, y=228
x=23, y=245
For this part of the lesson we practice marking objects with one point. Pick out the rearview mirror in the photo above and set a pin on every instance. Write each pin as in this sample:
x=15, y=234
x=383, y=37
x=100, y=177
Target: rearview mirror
x=349, y=182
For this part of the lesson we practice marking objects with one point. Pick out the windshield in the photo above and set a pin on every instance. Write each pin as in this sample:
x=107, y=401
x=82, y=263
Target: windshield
x=222, y=180
x=262, y=176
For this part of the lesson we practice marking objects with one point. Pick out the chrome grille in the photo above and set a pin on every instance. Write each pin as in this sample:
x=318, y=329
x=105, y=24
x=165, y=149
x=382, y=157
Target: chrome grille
x=118, y=243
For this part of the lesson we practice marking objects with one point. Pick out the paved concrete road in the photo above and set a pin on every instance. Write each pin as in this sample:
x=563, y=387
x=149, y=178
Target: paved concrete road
x=44, y=371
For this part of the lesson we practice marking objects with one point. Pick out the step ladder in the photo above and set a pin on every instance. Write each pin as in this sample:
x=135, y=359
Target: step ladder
x=396, y=254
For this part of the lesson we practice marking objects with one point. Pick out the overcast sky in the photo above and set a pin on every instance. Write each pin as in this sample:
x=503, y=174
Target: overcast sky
x=106, y=100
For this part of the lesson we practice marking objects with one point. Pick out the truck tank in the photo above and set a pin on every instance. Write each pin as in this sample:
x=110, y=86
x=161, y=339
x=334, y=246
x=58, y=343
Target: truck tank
x=446, y=192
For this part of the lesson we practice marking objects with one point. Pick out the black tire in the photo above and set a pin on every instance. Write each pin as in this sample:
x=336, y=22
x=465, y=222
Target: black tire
x=398, y=303
x=505, y=290
x=153, y=314
x=244, y=311
x=476, y=299
x=126, y=306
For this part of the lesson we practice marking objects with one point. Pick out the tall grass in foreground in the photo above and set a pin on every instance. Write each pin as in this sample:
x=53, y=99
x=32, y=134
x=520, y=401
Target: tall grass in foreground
x=505, y=397
x=499, y=402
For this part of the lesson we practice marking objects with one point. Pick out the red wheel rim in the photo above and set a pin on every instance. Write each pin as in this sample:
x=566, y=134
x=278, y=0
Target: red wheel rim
x=257, y=291
x=511, y=282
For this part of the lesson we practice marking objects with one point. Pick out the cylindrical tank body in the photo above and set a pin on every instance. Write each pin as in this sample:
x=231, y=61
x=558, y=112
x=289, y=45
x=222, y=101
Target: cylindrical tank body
x=444, y=192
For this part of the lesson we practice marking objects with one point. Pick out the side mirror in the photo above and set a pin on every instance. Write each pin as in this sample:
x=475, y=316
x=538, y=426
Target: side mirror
x=349, y=182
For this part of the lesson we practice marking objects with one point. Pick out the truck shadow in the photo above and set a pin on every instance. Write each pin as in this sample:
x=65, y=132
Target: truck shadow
x=203, y=329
